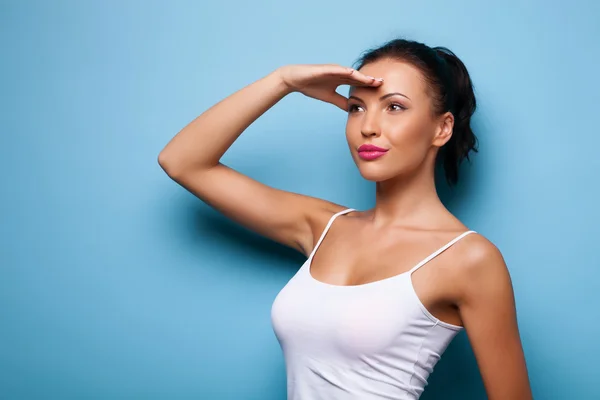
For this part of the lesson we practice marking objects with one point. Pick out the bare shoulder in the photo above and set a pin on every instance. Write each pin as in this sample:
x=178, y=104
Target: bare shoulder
x=482, y=268
x=479, y=251
x=318, y=217
x=488, y=312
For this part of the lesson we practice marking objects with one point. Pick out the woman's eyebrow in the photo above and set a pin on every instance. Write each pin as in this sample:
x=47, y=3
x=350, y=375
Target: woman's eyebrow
x=385, y=96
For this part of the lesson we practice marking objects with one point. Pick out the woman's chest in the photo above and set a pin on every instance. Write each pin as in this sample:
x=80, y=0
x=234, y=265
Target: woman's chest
x=320, y=316
x=345, y=261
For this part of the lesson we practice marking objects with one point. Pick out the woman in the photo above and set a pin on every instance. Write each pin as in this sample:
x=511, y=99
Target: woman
x=369, y=314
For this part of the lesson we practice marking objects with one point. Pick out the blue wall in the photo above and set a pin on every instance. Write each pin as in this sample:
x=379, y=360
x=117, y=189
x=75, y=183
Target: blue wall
x=117, y=283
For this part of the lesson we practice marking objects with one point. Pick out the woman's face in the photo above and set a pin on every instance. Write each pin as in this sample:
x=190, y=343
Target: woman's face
x=396, y=116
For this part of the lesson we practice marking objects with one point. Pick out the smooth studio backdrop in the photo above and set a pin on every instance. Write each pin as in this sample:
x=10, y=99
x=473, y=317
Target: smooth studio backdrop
x=116, y=283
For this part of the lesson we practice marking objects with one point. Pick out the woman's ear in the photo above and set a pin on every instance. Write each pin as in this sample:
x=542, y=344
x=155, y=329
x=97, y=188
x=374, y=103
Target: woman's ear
x=444, y=129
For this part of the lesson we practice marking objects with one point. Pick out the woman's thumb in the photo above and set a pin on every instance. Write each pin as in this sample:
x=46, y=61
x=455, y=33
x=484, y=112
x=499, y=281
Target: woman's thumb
x=337, y=99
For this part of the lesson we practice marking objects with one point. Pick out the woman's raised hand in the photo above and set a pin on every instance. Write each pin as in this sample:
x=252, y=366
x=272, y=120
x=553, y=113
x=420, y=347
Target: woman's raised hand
x=320, y=81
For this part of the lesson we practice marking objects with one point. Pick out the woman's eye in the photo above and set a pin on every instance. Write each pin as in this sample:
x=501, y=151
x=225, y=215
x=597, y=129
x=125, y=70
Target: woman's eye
x=353, y=107
x=397, y=106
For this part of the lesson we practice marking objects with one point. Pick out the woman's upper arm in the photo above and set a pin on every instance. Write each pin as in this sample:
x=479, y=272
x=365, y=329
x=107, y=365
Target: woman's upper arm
x=488, y=312
x=288, y=218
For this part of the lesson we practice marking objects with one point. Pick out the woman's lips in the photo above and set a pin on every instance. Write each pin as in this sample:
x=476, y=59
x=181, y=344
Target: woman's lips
x=370, y=152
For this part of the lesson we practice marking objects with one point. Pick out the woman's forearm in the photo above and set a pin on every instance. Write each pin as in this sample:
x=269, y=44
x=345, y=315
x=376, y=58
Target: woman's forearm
x=202, y=142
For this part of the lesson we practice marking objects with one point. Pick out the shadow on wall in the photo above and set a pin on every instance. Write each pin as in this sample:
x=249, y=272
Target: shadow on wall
x=223, y=229
x=457, y=197
x=456, y=376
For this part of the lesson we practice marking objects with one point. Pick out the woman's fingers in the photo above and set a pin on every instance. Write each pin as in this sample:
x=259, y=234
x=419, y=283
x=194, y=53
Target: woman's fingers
x=359, y=78
x=353, y=76
x=340, y=70
x=323, y=80
x=370, y=81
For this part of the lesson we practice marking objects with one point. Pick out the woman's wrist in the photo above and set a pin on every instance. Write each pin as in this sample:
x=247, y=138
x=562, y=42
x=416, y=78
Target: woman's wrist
x=278, y=79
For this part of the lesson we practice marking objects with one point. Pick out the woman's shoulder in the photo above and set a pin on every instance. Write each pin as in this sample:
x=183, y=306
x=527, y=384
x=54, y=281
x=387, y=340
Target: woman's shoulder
x=481, y=264
x=318, y=216
x=479, y=250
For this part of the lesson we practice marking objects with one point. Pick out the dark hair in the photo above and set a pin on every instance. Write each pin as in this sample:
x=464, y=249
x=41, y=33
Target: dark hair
x=450, y=88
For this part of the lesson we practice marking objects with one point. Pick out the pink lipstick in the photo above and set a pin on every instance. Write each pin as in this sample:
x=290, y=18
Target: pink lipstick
x=370, y=152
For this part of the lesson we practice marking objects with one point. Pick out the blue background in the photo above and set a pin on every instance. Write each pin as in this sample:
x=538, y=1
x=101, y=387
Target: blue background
x=116, y=283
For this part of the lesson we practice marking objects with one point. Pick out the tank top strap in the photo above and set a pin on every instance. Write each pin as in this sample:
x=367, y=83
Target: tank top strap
x=439, y=251
x=333, y=217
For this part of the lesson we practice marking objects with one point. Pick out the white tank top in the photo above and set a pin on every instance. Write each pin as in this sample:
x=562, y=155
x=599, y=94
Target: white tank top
x=370, y=341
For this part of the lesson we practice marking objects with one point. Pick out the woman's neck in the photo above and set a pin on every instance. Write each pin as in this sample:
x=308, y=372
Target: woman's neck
x=410, y=200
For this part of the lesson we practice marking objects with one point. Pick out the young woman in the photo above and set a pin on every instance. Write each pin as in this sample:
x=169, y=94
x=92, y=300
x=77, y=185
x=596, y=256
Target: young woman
x=370, y=313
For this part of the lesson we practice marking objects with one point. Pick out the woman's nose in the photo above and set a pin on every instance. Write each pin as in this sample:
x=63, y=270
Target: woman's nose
x=369, y=133
x=369, y=130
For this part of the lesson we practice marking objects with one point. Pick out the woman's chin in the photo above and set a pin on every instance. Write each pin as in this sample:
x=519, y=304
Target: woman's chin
x=374, y=174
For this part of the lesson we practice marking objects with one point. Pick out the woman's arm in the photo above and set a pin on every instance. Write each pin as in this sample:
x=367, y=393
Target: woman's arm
x=488, y=312
x=192, y=157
